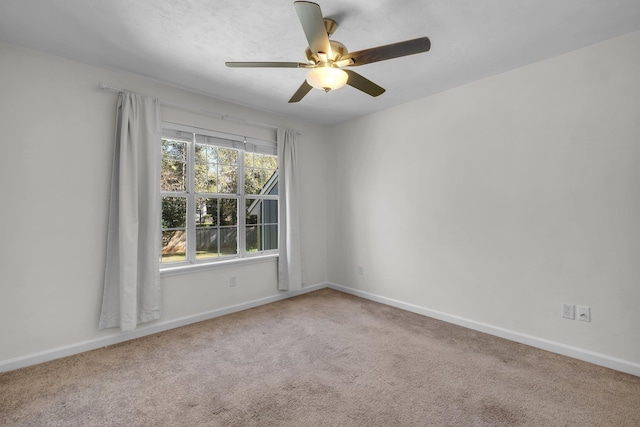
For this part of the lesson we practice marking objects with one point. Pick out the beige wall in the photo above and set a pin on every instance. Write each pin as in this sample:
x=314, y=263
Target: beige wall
x=500, y=200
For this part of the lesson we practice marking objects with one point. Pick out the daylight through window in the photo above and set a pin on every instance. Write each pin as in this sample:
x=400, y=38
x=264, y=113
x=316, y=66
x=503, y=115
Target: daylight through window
x=219, y=196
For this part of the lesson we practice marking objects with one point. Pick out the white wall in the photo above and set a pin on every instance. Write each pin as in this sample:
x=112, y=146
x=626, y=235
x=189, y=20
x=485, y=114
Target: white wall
x=495, y=202
x=57, y=146
x=500, y=200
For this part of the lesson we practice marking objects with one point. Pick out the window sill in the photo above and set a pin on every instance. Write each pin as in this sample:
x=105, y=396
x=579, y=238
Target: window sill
x=194, y=268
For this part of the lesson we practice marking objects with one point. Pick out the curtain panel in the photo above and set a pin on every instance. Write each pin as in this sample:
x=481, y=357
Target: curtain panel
x=132, y=273
x=289, y=239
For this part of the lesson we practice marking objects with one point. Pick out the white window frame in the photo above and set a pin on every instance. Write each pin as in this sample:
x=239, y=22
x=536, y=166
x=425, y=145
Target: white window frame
x=226, y=140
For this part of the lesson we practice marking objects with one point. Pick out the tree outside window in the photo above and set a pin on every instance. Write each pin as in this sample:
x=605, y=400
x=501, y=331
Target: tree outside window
x=203, y=188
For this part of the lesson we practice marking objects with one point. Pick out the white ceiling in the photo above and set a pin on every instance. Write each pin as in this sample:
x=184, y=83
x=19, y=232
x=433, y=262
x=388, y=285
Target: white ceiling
x=186, y=42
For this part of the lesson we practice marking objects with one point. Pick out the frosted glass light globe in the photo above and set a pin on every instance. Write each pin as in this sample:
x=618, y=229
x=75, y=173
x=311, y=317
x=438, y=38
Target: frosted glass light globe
x=327, y=78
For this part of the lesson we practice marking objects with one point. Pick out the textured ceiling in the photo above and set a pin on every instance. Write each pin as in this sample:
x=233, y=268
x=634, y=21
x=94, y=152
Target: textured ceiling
x=186, y=42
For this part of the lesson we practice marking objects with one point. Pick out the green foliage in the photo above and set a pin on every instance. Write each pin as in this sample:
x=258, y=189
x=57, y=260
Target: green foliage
x=259, y=169
x=215, y=173
x=216, y=170
x=174, y=168
x=174, y=212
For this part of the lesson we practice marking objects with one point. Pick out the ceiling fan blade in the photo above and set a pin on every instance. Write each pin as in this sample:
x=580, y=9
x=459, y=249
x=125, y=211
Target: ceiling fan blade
x=268, y=65
x=361, y=83
x=312, y=22
x=301, y=92
x=390, y=51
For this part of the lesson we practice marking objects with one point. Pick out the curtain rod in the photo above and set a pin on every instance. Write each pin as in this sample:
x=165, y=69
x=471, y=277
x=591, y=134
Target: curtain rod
x=214, y=114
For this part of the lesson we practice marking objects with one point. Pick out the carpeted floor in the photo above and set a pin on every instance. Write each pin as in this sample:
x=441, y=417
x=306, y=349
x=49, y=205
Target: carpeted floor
x=320, y=359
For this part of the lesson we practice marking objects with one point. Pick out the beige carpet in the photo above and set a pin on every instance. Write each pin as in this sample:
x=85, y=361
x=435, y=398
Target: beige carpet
x=320, y=359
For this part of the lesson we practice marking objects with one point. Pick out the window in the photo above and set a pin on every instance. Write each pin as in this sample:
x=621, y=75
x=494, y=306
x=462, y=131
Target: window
x=219, y=196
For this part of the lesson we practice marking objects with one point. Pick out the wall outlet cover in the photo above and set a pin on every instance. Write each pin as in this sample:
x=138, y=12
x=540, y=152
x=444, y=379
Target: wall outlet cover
x=568, y=311
x=584, y=313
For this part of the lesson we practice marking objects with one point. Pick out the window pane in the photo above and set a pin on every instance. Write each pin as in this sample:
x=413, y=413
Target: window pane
x=212, y=178
x=206, y=242
x=259, y=172
x=272, y=173
x=206, y=176
x=253, y=211
x=270, y=212
x=174, y=167
x=268, y=162
x=248, y=160
x=174, y=245
x=273, y=191
x=205, y=179
x=174, y=222
x=174, y=150
x=258, y=181
x=262, y=181
x=206, y=169
x=227, y=156
x=211, y=154
x=261, y=232
x=206, y=153
x=228, y=211
x=228, y=240
x=174, y=212
x=261, y=211
x=173, y=176
x=252, y=181
x=251, y=236
x=228, y=179
x=261, y=237
x=206, y=211
x=270, y=237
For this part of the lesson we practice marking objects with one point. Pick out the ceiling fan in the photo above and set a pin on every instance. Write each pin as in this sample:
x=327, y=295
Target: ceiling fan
x=326, y=58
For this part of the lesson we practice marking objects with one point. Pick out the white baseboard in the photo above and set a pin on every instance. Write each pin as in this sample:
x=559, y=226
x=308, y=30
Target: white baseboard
x=118, y=337
x=555, y=347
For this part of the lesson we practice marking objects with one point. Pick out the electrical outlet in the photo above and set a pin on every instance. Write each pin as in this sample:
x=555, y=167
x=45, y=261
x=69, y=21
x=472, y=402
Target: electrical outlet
x=233, y=281
x=360, y=270
x=569, y=311
x=584, y=313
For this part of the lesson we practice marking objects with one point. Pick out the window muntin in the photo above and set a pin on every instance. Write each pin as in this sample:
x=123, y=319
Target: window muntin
x=201, y=201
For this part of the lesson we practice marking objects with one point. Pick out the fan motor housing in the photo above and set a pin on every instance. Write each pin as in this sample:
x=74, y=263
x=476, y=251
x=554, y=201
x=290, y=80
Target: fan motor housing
x=338, y=50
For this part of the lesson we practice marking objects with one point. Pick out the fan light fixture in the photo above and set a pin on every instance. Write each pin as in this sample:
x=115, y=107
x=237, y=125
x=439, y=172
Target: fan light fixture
x=325, y=58
x=327, y=78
